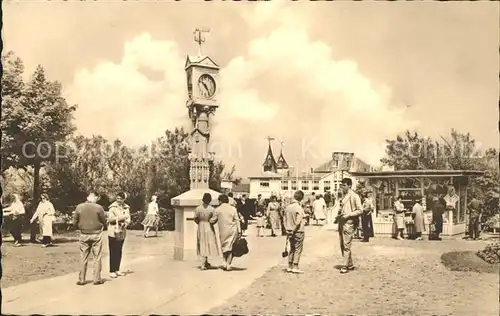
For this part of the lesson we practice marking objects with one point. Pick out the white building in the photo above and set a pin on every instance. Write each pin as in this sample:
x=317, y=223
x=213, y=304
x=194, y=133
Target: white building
x=277, y=177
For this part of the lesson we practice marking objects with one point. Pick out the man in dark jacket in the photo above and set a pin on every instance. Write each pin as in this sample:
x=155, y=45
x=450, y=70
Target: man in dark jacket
x=89, y=219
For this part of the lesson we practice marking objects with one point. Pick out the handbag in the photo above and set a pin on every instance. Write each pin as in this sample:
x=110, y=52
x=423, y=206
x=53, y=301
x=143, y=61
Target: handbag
x=284, y=254
x=432, y=228
x=119, y=231
x=240, y=247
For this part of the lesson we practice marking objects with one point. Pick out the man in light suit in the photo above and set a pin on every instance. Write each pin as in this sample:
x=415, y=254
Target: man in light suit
x=348, y=220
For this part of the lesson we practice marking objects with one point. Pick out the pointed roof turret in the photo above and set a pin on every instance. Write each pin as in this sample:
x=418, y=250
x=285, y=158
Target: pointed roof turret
x=282, y=164
x=270, y=163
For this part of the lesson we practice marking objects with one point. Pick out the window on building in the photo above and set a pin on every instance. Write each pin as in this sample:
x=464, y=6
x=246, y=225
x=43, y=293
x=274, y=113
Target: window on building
x=284, y=185
x=315, y=185
x=336, y=186
x=305, y=186
x=294, y=185
x=327, y=185
x=264, y=184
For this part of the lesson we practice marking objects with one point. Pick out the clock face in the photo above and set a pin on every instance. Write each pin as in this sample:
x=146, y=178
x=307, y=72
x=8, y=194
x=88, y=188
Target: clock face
x=206, y=86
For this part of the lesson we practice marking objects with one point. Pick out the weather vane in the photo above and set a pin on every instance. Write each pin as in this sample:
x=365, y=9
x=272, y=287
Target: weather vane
x=269, y=139
x=199, y=38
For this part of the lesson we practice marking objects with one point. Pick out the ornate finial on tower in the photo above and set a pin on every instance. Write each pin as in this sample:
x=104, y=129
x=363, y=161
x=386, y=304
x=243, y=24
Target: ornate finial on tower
x=269, y=139
x=199, y=38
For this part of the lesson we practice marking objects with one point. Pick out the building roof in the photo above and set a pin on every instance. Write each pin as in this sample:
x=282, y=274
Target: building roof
x=417, y=173
x=269, y=163
x=282, y=164
x=203, y=61
x=267, y=175
x=325, y=167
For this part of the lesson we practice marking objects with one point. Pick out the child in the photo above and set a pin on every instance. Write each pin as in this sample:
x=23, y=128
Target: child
x=261, y=223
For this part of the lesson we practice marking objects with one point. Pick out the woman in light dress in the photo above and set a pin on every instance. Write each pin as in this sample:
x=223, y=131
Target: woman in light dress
x=228, y=222
x=418, y=219
x=399, y=218
x=206, y=242
x=319, y=209
x=272, y=212
x=152, y=219
x=118, y=220
x=16, y=211
x=45, y=213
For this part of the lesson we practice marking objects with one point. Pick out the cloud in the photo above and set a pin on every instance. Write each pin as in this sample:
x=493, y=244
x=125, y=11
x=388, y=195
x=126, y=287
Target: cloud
x=285, y=85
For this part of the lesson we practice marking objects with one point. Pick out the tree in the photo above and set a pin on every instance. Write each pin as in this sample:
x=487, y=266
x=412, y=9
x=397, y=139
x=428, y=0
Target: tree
x=412, y=152
x=229, y=175
x=12, y=89
x=486, y=187
x=83, y=168
x=35, y=121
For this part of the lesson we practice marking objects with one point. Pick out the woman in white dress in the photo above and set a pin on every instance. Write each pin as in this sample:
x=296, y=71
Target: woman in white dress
x=399, y=218
x=152, y=219
x=45, y=213
x=319, y=208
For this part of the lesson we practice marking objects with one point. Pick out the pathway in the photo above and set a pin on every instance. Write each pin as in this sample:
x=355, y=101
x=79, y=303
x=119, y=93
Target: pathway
x=158, y=284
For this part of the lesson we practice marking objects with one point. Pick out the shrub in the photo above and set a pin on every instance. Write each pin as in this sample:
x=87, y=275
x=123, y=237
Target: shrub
x=167, y=220
x=491, y=253
x=136, y=219
x=493, y=222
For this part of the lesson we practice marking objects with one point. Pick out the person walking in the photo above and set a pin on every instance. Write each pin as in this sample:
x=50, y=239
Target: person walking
x=16, y=211
x=152, y=219
x=272, y=213
x=475, y=214
x=228, y=222
x=118, y=219
x=90, y=220
x=45, y=214
x=206, y=242
x=348, y=220
x=295, y=227
x=319, y=209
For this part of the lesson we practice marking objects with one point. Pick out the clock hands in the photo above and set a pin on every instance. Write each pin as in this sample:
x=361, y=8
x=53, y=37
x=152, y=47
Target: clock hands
x=206, y=85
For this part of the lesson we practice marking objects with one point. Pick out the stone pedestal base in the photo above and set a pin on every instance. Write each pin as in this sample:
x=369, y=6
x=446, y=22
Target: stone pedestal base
x=185, y=227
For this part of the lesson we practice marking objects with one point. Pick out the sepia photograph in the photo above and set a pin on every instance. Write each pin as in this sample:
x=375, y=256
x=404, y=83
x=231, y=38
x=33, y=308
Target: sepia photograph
x=250, y=157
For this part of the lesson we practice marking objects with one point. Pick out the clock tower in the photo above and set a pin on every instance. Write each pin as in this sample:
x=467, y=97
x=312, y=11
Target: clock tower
x=202, y=75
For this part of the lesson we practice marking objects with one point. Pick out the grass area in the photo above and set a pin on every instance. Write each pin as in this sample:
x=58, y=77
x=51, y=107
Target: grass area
x=467, y=261
x=32, y=262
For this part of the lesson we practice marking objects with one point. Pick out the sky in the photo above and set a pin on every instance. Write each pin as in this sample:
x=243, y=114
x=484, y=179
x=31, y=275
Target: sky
x=318, y=76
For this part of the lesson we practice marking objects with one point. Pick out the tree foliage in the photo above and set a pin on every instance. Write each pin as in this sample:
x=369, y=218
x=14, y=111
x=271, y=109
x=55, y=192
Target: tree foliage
x=413, y=152
x=36, y=119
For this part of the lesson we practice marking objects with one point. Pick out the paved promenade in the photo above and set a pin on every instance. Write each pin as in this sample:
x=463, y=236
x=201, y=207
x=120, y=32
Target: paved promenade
x=157, y=284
